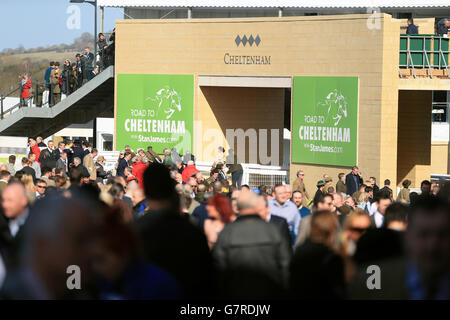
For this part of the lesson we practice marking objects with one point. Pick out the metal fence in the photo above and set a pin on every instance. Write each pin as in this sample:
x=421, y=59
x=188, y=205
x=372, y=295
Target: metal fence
x=254, y=174
x=424, y=52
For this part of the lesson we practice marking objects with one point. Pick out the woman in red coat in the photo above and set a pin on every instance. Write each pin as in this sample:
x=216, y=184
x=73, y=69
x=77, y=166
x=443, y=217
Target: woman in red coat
x=26, y=86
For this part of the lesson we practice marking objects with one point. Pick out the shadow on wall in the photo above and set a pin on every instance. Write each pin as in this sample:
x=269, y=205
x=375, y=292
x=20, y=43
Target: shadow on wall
x=414, y=136
x=245, y=108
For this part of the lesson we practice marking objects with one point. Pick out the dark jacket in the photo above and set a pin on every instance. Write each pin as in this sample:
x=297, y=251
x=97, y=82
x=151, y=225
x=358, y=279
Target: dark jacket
x=386, y=189
x=101, y=173
x=282, y=226
x=30, y=171
x=84, y=170
x=47, y=76
x=180, y=248
x=378, y=244
x=375, y=188
x=252, y=259
x=141, y=281
x=48, y=158
x=352, y=187
x=200, y=214
x=9, y=245
x=60, y=165
x=57, y=153
x=317, y=272
x=101, y=45
x=412, y=29
x=442, y=29
x=78, y=152
x=121, y=167
x=341, y=187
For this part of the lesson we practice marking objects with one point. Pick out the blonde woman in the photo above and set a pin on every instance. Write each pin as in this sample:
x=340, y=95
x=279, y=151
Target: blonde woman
x=363, y=201
x=30, y=188
x=318, y=270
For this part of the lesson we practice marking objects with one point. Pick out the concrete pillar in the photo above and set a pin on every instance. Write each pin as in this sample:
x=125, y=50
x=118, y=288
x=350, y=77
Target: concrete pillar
x=280, y=12
x=189, y=13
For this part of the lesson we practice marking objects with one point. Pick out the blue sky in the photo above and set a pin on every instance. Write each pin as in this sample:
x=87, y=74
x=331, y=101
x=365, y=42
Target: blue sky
x=34, y=23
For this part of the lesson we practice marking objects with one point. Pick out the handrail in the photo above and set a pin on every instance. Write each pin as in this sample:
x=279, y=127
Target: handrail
x=438, y=55
x=10, y=93
x=2, y=97
x=33, y=95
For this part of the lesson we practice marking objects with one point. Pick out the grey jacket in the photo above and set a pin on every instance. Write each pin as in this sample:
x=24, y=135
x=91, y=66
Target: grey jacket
x=252, y=258
x=37, y=169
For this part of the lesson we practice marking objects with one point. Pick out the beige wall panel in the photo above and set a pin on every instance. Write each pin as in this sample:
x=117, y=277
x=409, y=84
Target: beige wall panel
x=439, y=157
x=425, y=25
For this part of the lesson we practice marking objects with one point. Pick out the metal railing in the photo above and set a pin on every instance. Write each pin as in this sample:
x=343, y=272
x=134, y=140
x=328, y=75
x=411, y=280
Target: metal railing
x=2, y=99
x=34, y=94
x=35, y=99
x=424, y=52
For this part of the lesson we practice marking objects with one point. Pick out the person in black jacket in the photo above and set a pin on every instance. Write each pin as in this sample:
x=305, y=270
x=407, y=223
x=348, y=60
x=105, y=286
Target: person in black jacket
x=61, y=148
x=27, y=169
x=123, y=163
x=251, y=255
x=77, y=164
x=353, y=181
x=77, y=151
x=101, y=173
x=444, y=27
x=317, y=271
x=412, y=28
x=170, y=240
x=14, y=208
x=48, y=156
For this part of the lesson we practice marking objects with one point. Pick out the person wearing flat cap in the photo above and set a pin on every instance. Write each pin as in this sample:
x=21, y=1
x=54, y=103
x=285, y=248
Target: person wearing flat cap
x=328, y=182
x=404, y=192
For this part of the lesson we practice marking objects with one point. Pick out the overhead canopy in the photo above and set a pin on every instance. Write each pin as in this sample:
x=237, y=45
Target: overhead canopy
x=276, y=4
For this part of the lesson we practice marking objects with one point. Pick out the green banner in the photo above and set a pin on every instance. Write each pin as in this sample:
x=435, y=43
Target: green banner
x=155, y=110
x=325, y=120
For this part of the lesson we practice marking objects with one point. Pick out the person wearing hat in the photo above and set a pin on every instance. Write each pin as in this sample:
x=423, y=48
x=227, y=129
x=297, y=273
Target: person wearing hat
x=328, y=182
x=404, y=192
x=300, y=186
x=320, y=189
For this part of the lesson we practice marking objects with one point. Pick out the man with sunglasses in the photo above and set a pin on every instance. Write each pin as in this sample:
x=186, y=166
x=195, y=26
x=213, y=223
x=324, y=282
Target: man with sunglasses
x=41, y=186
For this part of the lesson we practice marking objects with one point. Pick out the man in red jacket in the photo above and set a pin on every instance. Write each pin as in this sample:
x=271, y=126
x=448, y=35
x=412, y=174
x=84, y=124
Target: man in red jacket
x=26, y=86
x=34, y=148
x=138, y=170
x=189, y=171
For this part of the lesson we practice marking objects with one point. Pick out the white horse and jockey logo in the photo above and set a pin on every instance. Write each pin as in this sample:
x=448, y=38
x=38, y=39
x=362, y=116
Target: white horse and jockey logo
x=336, y=104
x=166, y=102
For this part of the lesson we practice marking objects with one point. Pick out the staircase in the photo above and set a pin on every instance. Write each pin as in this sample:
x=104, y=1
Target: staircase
x=94, y=99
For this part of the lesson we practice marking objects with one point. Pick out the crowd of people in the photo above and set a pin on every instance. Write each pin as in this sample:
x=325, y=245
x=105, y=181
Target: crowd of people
x=63, y=80
x=156, y=227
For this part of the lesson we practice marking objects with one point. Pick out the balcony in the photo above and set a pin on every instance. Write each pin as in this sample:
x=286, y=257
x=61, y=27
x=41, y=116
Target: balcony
x=424, y=56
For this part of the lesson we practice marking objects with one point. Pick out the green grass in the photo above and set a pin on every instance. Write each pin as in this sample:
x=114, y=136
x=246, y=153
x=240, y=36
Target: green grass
x=18, y=157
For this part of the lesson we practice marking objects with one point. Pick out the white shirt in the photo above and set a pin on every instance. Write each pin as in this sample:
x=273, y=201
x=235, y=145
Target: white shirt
x=38, y=195
x=15, y=224
x=379, y=218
